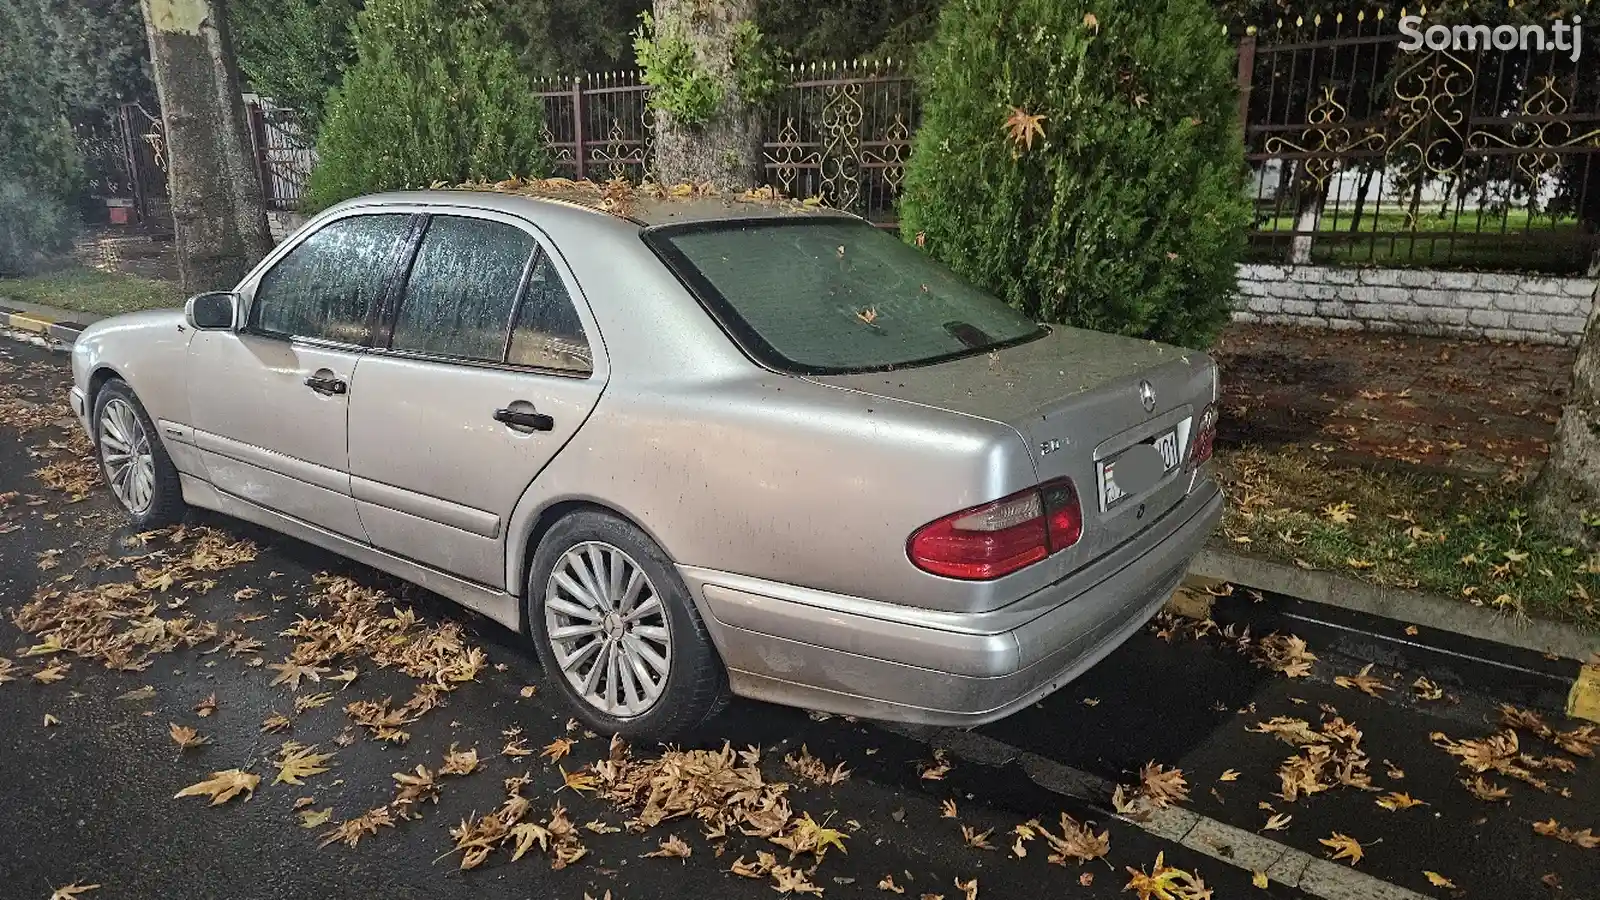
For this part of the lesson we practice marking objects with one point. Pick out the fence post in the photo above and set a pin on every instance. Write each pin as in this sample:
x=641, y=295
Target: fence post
x=258, y=141
x=1247, y=71
x=577, y=128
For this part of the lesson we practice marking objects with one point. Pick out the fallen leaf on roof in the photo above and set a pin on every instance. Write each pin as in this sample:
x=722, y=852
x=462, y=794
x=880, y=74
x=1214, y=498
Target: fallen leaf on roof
x=223, y=786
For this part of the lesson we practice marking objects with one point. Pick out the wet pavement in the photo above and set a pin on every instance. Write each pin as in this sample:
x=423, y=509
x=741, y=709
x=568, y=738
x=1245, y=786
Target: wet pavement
x=89, y=797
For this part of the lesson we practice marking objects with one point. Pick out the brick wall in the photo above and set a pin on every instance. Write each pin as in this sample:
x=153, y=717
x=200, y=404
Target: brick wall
x=1506, y=307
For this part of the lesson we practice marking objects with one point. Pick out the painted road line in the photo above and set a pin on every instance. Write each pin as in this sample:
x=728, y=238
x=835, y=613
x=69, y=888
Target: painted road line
x=31, y=322
x=1225, y=843
x=1583, y=702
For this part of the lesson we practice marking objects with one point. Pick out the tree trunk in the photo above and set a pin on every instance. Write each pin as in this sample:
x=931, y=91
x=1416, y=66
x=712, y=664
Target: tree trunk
x=1569, y=485
x=726, y=150
x=218, y=215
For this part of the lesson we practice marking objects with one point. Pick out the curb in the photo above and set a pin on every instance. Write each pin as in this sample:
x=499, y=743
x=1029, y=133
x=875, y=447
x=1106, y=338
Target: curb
x=1542, y=652
x=1442, y=614
x=44, y=325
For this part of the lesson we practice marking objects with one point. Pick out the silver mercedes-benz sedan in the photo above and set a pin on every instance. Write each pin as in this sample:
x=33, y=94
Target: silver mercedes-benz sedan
x=689, y=447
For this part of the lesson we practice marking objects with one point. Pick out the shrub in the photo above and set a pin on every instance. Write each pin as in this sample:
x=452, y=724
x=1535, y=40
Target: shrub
x=431, y=97
x=40, y=172
x=1128, y=211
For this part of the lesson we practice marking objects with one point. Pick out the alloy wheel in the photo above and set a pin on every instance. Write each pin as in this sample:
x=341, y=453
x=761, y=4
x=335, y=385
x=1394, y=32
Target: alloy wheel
x=608, y=629
x=125, y=450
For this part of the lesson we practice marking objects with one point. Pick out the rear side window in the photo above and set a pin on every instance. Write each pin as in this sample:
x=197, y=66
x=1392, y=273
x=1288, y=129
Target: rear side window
x=819, y=295
x=462, y=289
x=327, y=286
x=549, y=333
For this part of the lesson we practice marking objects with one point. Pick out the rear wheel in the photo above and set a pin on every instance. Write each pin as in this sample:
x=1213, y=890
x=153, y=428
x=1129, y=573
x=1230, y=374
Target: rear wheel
x=133, y=460
x=617, y=632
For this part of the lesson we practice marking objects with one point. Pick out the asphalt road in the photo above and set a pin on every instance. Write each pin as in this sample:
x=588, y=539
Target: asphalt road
x=88, y=798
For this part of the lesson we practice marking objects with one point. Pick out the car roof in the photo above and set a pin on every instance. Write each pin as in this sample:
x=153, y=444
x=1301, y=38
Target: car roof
x=643, y=205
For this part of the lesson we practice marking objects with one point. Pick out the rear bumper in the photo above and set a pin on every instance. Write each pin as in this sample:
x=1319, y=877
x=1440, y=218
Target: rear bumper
x=853, y=656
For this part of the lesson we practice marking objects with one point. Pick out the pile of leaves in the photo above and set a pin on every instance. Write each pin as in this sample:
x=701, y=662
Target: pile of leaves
x=726, y=792
x=120, y=623
x=1329, y=756
x=1501, y=754
x=361, y=623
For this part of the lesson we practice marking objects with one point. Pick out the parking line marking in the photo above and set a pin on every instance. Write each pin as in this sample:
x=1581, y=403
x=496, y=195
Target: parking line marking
x=1226, y=843
x=31, y=322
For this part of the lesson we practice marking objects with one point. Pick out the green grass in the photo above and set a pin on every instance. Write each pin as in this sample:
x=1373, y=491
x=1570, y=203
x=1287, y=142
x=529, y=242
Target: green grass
x=1519, y=241
x=1455, y=537
x=92, y=291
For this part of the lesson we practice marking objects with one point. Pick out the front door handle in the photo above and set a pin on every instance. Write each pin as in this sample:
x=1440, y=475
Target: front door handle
x=531, y=421
x=327, y=385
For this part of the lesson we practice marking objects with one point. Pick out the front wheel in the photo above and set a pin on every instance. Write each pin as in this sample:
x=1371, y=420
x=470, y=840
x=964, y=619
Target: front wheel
x=133, y=459
x=617, y=632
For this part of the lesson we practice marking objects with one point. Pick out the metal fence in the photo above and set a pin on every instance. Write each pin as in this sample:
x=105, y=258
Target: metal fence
x=841, y=132
x=1361, y=152
x=1365, y=153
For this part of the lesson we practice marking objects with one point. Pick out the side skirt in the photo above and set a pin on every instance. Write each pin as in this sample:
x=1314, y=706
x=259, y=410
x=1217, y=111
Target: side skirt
x=497, y=605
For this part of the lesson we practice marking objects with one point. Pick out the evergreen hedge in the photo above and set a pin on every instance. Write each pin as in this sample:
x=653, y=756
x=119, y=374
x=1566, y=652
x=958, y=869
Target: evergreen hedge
x=1128, y=212
x=434, y=95
x=40, y=171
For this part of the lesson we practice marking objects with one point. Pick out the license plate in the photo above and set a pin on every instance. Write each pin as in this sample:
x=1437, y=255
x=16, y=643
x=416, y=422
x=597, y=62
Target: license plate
x=1166, y=444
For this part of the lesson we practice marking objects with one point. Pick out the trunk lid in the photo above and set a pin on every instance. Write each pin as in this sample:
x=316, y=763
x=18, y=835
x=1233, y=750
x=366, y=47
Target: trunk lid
x=1076, y=398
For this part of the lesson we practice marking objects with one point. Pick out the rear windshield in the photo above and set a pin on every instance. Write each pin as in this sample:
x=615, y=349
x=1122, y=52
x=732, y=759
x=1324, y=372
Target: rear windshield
x=835, y=295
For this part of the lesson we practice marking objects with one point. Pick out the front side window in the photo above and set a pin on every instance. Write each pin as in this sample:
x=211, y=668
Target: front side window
x=548, y=332
x=328, y=285
x=819, y=295
x=462, y=289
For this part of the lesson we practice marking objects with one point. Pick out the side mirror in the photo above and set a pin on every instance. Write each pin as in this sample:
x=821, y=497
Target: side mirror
x=211, y=311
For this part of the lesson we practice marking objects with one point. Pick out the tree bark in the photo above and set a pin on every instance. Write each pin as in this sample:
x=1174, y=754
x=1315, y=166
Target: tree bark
x=1569, y=484
x=217, y=210
x=726, y=150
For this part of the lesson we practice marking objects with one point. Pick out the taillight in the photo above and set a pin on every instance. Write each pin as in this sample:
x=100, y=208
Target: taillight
x=1205, y=437
x=996, y=539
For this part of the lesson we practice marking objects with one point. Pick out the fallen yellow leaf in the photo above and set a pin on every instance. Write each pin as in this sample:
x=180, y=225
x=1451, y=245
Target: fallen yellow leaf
x=1437, y=880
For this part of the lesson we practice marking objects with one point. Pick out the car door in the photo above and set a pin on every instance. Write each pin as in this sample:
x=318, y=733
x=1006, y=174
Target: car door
x=487, y=370
x=269, y=402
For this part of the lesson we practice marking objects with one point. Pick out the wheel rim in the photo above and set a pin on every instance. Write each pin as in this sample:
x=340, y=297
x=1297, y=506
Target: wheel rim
x=125, y=451
x=607, y=626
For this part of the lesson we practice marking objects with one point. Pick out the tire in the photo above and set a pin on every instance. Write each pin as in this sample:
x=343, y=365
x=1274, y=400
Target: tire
x=156, y=504
x=695, y=685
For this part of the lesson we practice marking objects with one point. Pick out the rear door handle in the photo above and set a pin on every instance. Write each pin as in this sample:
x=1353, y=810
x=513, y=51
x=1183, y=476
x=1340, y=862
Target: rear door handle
x=326, y=386
x=530, y=421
